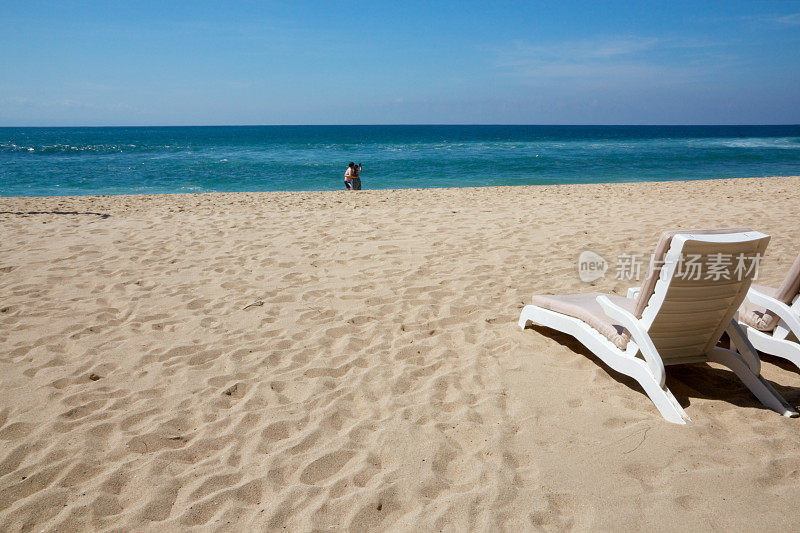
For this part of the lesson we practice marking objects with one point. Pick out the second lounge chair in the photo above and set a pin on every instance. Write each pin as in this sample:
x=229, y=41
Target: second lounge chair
x=673, y=319
x=771, y=317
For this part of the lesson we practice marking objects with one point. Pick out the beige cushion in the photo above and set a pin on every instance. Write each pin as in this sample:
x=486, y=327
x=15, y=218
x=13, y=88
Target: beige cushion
x=585, y=307
x=755, y=316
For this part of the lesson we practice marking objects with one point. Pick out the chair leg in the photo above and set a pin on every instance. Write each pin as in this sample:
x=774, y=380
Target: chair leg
x=744, y=347
x=661, y=397
x=665, y=402
x=526, y=316
x=765, y=393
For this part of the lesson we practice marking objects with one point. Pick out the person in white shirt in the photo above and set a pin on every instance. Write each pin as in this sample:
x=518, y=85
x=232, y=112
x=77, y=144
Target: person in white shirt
x=348, y=176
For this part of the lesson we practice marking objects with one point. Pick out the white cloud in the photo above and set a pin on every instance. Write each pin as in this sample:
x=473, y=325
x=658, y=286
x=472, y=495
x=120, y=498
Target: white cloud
x=520, y=52
x=761, y=20
x=611, y=60
x=792, y=19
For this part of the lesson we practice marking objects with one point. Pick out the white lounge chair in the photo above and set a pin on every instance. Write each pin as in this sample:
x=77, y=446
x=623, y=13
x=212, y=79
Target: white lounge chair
x=771, y=317
x=672, y=319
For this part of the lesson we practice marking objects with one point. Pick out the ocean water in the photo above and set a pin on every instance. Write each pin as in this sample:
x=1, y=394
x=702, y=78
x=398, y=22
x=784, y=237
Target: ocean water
x=143, y=160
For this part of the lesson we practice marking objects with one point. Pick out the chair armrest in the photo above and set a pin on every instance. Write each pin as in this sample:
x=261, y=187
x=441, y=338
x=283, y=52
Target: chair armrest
x=639, y=335
x=789, y=316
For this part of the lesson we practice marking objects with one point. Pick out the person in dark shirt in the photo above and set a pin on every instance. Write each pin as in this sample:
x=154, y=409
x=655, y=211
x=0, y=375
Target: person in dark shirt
x=356, y=177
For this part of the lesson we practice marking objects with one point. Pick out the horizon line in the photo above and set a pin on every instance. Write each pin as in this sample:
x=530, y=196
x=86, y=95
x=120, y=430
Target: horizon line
x=400, y=124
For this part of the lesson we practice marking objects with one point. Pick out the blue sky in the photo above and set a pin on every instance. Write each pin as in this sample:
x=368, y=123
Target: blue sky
x=380, y=62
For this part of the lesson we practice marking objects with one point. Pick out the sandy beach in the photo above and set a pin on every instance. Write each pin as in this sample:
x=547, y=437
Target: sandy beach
x=335, y=360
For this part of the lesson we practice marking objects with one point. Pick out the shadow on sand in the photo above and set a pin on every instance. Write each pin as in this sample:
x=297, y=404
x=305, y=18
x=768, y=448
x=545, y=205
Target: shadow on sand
x=695, y=380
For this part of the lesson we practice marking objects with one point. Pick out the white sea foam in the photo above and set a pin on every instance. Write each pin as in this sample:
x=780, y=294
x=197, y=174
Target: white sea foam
x=759, y=142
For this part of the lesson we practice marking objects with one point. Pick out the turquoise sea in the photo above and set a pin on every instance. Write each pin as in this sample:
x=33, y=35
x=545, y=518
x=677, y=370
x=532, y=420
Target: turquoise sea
x=141, y=160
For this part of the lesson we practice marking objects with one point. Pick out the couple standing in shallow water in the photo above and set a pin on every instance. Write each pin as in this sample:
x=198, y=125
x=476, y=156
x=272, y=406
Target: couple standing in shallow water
x=352, y=181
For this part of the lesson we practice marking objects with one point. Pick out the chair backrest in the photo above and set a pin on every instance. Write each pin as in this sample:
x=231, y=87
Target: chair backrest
x=697, y=282
x=788, y=290
x=791, y=284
